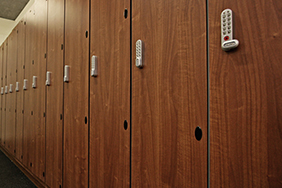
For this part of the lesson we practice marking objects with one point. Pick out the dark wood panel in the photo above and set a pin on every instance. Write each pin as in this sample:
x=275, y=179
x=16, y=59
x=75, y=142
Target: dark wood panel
x=39, y=70
x=5, y=50
x=19, y=94
x=54, y=97
x=245, y=96
x=76, y=94
x=1, y=85
x=110, y=95
x=169, y=95
x=11, y=97
x=30, y=51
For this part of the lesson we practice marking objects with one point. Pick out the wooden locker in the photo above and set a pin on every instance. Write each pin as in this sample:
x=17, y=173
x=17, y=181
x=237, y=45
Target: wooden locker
x=54, y=94
x=30, y=51
x=5, y=50
x=1, y=85
x=76, y=94
x=39, y=68
x=19, y=94
x=35, y=65
x=245, y=96
x=110, y=95
x=169, y=94
x=11, y=96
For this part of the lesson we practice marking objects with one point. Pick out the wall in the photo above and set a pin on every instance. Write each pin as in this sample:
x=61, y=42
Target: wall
x=192, y=116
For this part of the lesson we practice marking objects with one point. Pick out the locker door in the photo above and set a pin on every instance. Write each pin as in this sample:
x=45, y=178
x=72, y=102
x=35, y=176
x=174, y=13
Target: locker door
x=30, y=51
x=39, y=68
x=245, y=96
x=19, y=94
x=5, y=50
x=11, y=97
x=169, y=95
x=76, y=94
x=54, y=97
x=110, y=94
x=1, y=85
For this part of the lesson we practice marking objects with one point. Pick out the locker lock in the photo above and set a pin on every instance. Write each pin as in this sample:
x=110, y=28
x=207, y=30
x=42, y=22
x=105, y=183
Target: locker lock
x=67, y=73
x=48, y=78
x=34, y=82
x=25, y=84
x=11, y=88
x=6, y=89
x=94, y=66
x=17, y=86
x=139, y=51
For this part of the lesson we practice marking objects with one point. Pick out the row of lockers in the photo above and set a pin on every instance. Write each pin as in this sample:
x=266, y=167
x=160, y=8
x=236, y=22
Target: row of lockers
x=193, y=116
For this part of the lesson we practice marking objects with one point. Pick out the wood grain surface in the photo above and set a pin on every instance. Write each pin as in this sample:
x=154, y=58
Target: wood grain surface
x=19, y=95
x=110, y=95
x=245, y=96
x=29, y=132
x=39, y=70
x=11, y=97
x=5, y=53
x=1, y=85
x=169, y=95
x=76, y=94
x=54, y=94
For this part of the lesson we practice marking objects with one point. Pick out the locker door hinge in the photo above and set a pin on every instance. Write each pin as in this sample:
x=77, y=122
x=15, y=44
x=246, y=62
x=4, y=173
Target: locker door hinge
x=45, y=56
x=23, y=67
x=44, y=115
x=62, y=46
x=22, y=111
x=86, y=34
x=61, y=116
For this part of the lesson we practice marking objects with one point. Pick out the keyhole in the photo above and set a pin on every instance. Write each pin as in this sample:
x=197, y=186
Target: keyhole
x=125, y=125
x=125, y=14
x=198, y=133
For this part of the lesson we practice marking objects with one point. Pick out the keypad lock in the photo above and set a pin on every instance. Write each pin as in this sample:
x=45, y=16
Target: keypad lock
x=227, y=41
x=139, y=62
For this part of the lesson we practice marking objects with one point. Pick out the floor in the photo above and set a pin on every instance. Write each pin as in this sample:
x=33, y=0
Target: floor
x=11, y=176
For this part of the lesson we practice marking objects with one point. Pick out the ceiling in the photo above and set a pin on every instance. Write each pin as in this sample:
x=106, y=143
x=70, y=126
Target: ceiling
x=11, y=12
x=10, y=9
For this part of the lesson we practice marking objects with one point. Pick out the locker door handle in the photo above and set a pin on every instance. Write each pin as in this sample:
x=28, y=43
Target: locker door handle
x=94, y=66
x=11, y=88
x=139, y=54
x=2, y=90
x=17, y=86
x=25, y=84
x=67, y=73
x=6, y=89
x=227, y=41
x=48, y=78
x=34, y=82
